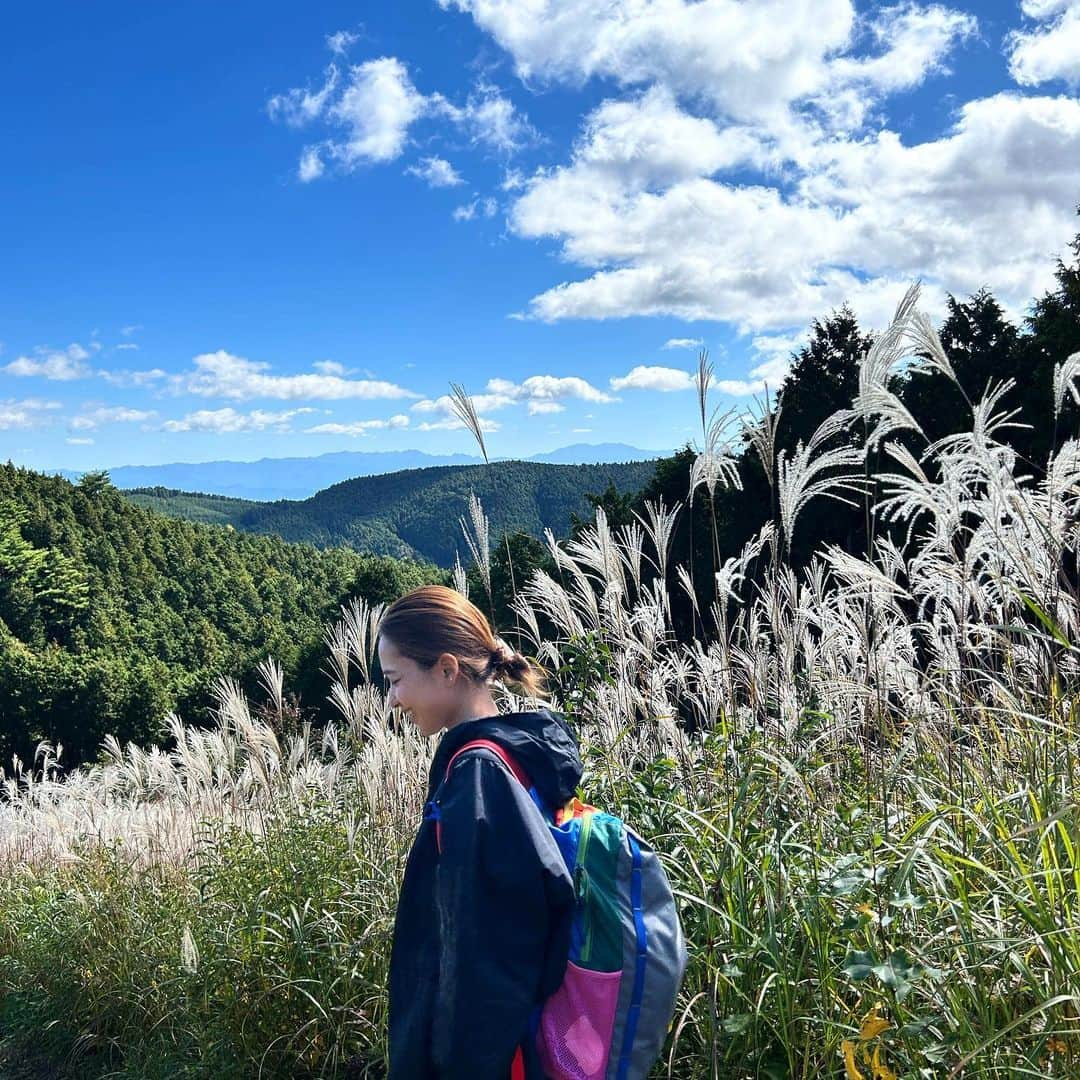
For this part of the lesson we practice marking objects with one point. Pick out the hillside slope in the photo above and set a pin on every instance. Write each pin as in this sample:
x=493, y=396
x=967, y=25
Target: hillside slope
x=415, y=513
x=191, y=505
x=111, y=615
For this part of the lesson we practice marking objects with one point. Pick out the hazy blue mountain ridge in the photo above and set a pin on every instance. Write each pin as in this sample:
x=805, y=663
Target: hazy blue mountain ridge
x=301, y=477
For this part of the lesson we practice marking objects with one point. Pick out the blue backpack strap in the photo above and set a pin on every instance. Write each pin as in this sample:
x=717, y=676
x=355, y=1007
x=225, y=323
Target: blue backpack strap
x=639, y=966
x=432, y=812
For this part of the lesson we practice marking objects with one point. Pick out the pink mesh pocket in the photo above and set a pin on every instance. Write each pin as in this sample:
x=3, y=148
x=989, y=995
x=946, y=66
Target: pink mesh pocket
x=574, y=1040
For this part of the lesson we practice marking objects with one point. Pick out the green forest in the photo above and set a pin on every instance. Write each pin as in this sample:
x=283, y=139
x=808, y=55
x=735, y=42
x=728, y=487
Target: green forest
x=413, y=513
x=191, y=505
x=112, y=615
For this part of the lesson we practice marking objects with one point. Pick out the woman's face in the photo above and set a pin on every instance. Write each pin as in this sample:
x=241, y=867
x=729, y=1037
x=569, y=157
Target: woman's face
x=429, y=695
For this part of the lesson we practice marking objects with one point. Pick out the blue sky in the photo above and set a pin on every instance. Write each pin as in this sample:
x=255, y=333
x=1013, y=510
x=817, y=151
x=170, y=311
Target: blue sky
x=233, y=232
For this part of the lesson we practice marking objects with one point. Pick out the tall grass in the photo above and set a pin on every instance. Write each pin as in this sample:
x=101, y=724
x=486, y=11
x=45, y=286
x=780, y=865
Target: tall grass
x=861, y=777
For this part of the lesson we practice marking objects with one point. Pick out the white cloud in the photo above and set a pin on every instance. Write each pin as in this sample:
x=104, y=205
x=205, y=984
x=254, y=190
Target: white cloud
x=549, y=388
x=1042, y=9
x=228, y=421
x=298, y=107
x=991, y=201
x=683, y=343
x=375, y=103
x=776, y=349
x=59, y=365
x=329, y=367
x=988, y=201
x=479, y=207
x=28, y=413
x=452, y=423
x=915, y=40
x=1048, y=51
x=649, y=141
x=340, y=42
x=653, y=377
x=74, y=441
x=752, y=60
x=782, y=90
x=773, y=354
x=221, y=374
x=138, y=379
x=311, y=165
x=377, y=107
x=749, y=57
x=91, y=419
x=437, y=171
x=128, y=345
x=768, y=375
x=359, y=427
x=483, y=403
x=134, y=328
x=539, y=394
x=491, y=119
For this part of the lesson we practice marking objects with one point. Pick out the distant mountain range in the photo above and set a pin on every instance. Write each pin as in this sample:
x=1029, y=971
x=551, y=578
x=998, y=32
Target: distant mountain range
x=415, y=513
x=300, y=477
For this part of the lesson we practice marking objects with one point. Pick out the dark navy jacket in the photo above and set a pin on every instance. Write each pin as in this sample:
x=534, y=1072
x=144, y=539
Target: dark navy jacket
x=483, y=929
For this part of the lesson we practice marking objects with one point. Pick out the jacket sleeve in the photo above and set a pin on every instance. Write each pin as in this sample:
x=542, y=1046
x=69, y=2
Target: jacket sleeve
x=505, y=903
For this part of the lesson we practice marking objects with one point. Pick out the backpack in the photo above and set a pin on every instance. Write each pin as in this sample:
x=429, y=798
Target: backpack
x=609, y=1017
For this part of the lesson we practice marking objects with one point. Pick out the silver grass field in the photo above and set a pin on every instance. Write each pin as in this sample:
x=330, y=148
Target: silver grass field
x=862, y=779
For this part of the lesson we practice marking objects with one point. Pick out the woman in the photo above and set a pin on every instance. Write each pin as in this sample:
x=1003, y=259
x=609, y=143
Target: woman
x=483, y=922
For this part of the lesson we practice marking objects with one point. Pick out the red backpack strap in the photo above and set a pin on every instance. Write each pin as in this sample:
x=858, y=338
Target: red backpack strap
x=500, y=752
x=517, y=1068
x=480, y=744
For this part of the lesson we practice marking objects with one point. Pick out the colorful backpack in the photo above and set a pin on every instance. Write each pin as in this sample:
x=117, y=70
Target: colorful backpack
x=609, y=1017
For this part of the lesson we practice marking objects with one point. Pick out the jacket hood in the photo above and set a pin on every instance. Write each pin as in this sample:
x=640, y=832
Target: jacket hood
x=541, y=742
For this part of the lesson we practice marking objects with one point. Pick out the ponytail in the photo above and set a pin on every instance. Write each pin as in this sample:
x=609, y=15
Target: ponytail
x=432, y=620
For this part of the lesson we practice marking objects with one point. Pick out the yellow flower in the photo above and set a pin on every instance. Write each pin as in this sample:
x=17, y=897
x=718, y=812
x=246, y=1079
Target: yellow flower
x=881, y=1070
x=873, y=1025
x=851, y=1070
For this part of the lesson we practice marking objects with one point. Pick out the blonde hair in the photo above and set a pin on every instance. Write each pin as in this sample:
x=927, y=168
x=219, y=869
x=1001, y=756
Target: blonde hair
x=432, y=620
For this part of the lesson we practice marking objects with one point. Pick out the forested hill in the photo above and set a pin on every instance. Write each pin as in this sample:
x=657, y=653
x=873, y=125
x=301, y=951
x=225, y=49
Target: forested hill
x=111, y=615
x=191, y=505
x=416, y=512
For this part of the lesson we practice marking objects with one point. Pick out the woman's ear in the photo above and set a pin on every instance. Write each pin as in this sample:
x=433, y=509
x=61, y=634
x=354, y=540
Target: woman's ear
x=447, y=668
